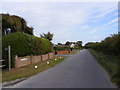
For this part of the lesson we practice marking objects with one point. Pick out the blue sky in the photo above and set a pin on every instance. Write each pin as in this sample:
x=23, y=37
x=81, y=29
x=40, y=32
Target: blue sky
x=68, y=21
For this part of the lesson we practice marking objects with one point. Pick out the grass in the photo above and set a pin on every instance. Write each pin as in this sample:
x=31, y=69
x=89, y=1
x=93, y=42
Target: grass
x=72, y=52
x=110, y=63
x=29, y=70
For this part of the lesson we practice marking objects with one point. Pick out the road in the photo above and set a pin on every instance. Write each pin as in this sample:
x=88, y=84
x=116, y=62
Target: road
x=77, y=71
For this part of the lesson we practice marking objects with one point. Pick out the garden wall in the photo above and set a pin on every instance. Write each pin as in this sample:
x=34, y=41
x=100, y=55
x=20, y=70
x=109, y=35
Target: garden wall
x=23, y=61
x=62, y=52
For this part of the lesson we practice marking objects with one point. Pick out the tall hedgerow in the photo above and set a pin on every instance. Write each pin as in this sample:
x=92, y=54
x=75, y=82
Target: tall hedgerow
x=24, y=44
x=110, y=45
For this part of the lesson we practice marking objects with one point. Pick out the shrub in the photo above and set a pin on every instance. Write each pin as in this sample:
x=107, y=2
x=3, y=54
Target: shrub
x=61, y=48
x=110, y=45
x=24, y=44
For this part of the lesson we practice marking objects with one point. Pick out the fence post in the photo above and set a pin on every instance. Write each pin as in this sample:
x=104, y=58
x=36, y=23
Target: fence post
x=9, y=57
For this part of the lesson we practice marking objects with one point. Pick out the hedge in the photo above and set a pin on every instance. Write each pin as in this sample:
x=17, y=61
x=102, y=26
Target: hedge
x=110, y=45
x=64, y=48
x=24, y=44
x=61, y=48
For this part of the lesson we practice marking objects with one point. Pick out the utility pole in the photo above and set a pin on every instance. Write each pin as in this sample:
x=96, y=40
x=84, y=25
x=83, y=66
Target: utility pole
x=9, y=57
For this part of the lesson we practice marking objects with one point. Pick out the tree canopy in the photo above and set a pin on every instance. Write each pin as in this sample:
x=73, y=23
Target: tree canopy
x=67, y=43
x=48, y=36
x=13, y=23
x=79, y=43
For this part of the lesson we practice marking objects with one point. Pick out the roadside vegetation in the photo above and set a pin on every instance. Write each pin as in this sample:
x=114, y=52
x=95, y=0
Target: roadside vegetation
x=19, y=36
x=108, y=62
x=74, y=51
x=14, y=23
x=24, y=44
x=30, y=70
x=107, y=53
x=66, y=46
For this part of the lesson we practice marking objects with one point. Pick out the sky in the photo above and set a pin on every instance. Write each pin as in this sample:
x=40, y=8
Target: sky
x=68, y=21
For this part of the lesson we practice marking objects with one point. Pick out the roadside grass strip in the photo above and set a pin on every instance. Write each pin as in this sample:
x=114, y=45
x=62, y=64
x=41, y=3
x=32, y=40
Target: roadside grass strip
x=72, y=52
x=109, y=62
x=30, y=70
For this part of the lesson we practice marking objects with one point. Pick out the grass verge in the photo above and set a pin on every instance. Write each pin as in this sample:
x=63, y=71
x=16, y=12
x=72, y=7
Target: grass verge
x=29, y=70
x=72, y=52
x=110, y=63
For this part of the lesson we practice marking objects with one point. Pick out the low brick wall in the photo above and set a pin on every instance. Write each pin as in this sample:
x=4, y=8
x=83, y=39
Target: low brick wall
x=23, y=61
x=44, y=57
x=36, y=59
x=51, y=55
x=62, y=52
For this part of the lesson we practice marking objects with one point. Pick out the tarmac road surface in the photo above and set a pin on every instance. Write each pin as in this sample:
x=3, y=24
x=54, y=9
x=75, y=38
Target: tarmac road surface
x=77, y=71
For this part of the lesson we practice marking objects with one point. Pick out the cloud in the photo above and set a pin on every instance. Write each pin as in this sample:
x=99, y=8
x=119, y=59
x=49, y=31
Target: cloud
x=68, y=21
x=93, y=31
x=105, y=26
x=60, y=0
x=84, y=27
x=103, y=13
x=115, y=20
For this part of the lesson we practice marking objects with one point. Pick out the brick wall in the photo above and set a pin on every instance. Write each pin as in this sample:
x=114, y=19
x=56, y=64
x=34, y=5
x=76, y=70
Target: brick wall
x=62, y=52
x=36, y=59
x=51, y=55
x=23, y=61
x=44, y=57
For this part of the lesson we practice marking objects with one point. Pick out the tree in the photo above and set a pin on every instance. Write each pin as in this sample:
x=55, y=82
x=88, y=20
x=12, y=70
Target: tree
x=67, y=43
x=89, y=44
x=13, y=23
x=48, y=36
x=60, y=44
x=79, y=43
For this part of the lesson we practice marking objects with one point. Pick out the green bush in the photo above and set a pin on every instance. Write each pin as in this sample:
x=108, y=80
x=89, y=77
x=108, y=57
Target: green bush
x=61, y=48
x=77, y=48
x=110, y=45
x=64, y=48
x=23, y=45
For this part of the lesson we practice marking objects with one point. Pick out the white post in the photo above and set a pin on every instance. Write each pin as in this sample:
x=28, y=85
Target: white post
x=9, y=57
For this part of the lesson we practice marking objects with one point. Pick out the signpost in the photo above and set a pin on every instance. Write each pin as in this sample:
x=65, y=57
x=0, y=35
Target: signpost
x=9, y=57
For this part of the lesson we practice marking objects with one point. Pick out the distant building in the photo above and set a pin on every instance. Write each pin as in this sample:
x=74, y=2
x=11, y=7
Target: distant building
x=72, y=45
